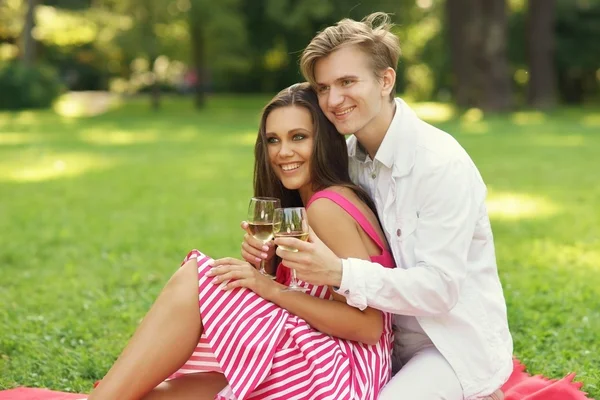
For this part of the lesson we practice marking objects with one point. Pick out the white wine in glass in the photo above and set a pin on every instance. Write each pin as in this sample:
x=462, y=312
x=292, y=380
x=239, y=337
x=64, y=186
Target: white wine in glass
x=261, y=212
x=291, y=222
x=295, y=235
x=262, y=231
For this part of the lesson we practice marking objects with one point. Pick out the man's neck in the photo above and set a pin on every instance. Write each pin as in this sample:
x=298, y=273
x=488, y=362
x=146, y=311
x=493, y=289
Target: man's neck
x=371, y=136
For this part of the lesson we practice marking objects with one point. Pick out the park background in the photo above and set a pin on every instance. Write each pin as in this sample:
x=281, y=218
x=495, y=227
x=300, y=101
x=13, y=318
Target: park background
x=126, y=136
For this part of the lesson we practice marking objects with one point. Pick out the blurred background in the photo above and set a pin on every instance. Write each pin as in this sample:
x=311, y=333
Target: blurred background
x=127, y=130
x=495, y=55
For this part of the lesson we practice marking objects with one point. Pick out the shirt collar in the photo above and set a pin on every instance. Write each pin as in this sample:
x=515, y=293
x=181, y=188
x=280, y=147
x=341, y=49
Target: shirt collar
x=386, y=154
x=398, y=146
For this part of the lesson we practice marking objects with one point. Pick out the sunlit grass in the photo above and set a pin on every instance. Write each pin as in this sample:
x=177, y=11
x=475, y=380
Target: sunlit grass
x=528, y=117
x=435, y=112
x=515, y=206
x=96, y=213
x=85, y=104
x=592, y=120
x=51, y=166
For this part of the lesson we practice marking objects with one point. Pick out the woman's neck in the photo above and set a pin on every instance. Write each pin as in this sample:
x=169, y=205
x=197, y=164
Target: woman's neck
x=306, y=192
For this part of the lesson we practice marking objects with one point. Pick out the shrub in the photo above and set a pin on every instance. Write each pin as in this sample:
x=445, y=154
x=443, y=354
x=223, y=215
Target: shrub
x=24, y=87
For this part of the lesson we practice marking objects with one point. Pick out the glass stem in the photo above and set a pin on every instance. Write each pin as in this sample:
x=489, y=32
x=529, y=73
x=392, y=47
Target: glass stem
x=262, y=267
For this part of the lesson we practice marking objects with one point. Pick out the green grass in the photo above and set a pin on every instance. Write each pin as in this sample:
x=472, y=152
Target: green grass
x=96, y=213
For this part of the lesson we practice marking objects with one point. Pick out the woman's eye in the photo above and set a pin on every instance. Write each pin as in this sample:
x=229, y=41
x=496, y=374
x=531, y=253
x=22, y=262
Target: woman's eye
x=271, y=140
x=299, y=137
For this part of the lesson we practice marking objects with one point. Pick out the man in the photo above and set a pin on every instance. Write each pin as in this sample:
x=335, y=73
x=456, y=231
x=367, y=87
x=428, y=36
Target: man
x=452, y=338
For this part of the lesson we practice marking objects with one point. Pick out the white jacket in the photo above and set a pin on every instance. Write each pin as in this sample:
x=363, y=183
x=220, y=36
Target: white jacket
x=431, y=202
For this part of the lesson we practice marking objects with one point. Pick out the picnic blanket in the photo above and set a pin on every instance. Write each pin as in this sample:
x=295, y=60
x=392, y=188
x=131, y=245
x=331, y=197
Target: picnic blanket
x=520, y=386
x=38, y=394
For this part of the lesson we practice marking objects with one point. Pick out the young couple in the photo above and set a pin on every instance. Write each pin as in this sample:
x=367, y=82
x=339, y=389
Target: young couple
x=400, y=256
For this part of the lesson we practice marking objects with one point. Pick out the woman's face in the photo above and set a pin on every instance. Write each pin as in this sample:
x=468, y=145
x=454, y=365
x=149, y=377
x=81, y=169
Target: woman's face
x=289, y=138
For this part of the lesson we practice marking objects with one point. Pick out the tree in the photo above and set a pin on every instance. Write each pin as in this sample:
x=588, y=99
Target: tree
x=29, y=44
x=198, y=50
x=540, y=53
x=219, y=45
x=478, y=36
x=462, y=51
x=494, y=74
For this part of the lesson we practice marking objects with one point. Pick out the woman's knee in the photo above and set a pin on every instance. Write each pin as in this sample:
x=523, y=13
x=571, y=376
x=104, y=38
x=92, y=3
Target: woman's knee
x=183, y=285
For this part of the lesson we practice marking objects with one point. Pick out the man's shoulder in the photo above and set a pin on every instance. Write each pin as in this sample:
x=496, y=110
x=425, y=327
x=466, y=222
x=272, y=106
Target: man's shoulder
x=437, y=147
x=427, y=142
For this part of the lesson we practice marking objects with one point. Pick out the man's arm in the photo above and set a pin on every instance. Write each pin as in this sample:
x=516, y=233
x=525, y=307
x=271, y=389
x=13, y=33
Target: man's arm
x=335, y=318
x=448, y=211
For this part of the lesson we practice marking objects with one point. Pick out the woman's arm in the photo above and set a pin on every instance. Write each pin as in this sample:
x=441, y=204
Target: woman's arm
x=340, y=233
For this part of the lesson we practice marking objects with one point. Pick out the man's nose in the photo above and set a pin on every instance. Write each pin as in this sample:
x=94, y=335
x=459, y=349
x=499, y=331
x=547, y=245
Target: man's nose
x=335, y=98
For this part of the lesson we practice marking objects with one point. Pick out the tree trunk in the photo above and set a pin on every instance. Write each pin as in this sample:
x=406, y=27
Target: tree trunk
x=494, y=74
x=459, y=22
x=149, y=21
x=155, y=91
x=540, y=55
x=198, y=53
x=478, y=36
x=29, y=43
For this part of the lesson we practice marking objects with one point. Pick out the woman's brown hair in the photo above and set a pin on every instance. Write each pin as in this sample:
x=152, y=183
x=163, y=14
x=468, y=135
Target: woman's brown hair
x=329, y=160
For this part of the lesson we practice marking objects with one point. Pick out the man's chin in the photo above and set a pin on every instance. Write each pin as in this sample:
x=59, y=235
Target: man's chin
x=344, y=130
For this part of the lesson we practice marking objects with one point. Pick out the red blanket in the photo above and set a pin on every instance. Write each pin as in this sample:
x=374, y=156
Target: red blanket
x=520, y=386
x=37, y=394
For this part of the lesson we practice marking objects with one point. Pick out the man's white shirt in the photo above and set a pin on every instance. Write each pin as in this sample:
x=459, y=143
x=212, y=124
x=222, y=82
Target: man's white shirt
x=430, y=199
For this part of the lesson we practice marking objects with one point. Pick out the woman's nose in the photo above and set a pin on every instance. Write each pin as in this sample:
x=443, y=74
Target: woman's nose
x=286, y=150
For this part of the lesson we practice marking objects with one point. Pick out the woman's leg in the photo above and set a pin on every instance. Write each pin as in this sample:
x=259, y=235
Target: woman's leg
x=162, y=343
x=199, y=386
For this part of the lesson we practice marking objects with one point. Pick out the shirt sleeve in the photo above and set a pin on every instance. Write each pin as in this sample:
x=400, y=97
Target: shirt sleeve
x=449, y=200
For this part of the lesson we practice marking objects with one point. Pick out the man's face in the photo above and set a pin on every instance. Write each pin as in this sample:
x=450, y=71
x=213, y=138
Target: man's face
x=349, y=93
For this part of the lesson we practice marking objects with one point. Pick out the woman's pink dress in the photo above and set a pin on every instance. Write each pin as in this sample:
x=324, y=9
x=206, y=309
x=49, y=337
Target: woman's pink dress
x=265, y=352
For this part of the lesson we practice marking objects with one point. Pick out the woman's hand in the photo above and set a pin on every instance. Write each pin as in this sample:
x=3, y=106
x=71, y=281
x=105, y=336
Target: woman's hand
x=233, y=273
x=254, y=251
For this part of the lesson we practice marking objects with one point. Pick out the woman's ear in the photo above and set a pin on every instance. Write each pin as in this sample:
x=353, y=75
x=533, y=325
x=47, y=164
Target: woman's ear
x=388, y=79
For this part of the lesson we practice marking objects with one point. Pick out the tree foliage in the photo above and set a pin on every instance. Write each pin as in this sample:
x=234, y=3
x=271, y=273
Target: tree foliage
x=254, y=45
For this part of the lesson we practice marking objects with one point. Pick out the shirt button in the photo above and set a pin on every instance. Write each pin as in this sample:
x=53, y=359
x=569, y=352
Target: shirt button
x=373, y=175
x=398, y=232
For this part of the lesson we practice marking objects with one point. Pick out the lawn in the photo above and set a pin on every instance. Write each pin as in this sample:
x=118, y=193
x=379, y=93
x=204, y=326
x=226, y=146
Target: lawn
x=96, y=213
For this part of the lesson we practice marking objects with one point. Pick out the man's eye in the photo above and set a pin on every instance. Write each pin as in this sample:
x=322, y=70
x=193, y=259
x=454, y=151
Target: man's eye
x=346, y=82
x=323, y=89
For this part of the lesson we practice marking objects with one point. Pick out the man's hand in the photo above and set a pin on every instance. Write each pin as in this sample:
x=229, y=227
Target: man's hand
x=233, y=273
x=253, y=250
x=314, y=262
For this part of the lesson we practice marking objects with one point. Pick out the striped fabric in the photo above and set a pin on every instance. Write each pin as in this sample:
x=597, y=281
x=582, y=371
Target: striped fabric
x=265, y=352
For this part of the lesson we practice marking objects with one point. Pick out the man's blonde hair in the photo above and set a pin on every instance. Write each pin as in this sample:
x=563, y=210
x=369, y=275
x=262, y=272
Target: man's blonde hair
x=373, y=36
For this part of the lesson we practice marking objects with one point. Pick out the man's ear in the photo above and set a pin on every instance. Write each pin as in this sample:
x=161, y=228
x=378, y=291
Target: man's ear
x=388, y=79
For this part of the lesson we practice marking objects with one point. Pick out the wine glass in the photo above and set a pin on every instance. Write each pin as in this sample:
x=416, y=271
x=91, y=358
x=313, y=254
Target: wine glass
x=291, y=222
x=261, y=212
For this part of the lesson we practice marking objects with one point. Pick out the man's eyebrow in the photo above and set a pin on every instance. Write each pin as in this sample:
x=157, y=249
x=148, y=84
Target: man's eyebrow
x=341, y=78
x=346, y=77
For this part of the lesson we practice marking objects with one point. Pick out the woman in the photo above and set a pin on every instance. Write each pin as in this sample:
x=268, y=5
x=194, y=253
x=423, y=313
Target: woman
x=253, y=340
